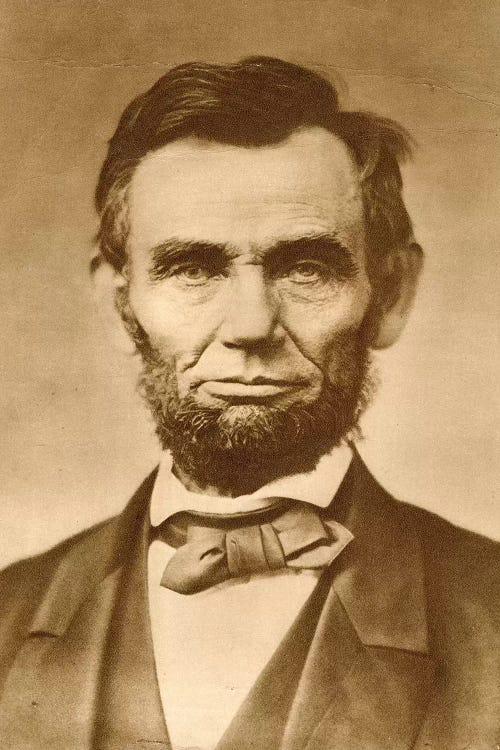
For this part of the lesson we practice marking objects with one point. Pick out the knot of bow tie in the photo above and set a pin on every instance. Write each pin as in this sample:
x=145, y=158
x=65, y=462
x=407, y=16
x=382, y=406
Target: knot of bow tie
x=212, y=551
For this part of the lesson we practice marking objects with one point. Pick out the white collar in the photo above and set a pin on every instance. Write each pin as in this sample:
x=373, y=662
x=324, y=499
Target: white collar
x=316, y=487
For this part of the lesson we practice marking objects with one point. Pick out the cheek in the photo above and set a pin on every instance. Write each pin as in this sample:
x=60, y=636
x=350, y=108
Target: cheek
x=176, y=331
x=319, y=331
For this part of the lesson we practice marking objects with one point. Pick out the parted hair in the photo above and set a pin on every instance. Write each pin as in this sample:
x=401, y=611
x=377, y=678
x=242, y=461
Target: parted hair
x=256, y=102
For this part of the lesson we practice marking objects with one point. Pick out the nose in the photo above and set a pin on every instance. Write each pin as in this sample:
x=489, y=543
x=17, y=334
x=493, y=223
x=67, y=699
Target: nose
x=250, y=315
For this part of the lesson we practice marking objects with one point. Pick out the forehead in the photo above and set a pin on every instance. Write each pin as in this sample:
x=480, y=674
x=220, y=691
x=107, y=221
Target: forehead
x=245, y=197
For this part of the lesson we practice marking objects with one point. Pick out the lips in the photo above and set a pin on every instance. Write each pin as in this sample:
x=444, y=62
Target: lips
x=259, y=380
x=259, y=387
x=248, y=379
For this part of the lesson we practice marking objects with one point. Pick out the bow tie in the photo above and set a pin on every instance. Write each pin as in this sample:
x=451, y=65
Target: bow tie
x=211, y=549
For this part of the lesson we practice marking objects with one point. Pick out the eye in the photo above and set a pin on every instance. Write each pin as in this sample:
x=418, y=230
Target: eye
x=193, y=274
x=307, y=272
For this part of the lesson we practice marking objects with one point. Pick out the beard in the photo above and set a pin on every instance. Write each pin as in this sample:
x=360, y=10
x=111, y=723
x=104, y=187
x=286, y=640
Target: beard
x=238, y=448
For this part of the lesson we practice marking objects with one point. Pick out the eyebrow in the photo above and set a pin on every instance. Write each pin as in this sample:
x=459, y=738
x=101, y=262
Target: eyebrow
x=324, y=247
x=174, y=250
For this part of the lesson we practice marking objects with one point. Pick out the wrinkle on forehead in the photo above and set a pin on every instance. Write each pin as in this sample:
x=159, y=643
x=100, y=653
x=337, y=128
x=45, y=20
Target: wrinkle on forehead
x=304, y=185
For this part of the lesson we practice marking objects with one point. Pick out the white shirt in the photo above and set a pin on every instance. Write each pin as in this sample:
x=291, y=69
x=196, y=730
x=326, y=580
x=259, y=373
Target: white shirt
x=210, y=647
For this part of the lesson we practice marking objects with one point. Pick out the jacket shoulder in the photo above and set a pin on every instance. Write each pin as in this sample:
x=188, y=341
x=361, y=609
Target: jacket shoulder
x=445, y=547
x=452, y=549
x=90, y=555
x=23, y=583
x=102, y=547
x=23, y=586
x=461, y=571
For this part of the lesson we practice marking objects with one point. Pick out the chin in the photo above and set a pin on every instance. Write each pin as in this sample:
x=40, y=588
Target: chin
x=248, y=408
x=240, y=415
x=240, y=447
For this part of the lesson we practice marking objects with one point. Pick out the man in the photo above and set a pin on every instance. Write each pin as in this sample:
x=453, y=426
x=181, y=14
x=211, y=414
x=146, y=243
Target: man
x=260, y=590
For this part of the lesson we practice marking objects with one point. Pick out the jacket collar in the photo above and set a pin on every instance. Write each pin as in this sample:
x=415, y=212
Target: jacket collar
x=385, y=556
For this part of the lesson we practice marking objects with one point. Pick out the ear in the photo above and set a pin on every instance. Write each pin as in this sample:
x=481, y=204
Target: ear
x=393, y=319
x=107, y=281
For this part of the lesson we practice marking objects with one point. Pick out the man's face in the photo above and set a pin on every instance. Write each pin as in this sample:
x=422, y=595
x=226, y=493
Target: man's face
x=247, y=271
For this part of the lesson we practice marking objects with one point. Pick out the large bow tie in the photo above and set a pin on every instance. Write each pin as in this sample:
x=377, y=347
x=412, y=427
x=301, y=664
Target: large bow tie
x=212, y=551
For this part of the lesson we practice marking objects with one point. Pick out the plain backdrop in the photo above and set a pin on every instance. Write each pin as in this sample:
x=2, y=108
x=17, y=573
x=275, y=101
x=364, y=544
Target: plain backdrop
x=75, y=440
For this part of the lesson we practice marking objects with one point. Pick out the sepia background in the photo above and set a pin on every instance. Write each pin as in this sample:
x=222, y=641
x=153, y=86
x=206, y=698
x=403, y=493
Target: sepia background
x=74, y=439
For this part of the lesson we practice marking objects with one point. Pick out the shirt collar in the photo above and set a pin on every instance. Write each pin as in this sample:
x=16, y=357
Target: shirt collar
x=316, y=487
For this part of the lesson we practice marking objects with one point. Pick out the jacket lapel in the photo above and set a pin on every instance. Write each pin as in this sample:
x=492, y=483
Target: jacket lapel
x=367, y=676
x=353, y=696
x=130, y=710
x=52, y=697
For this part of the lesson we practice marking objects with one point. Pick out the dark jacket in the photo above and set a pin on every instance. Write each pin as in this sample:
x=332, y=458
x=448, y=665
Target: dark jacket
x=398, y=647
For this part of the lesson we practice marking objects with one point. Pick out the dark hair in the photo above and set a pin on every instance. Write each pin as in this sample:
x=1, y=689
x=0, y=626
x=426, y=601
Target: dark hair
x=255, y=102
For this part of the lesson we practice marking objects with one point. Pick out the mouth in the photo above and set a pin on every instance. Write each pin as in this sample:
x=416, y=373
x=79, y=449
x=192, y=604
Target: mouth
x=247, y=390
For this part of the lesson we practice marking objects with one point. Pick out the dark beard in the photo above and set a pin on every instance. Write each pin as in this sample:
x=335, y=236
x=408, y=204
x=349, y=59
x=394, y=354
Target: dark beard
x=239, y=448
